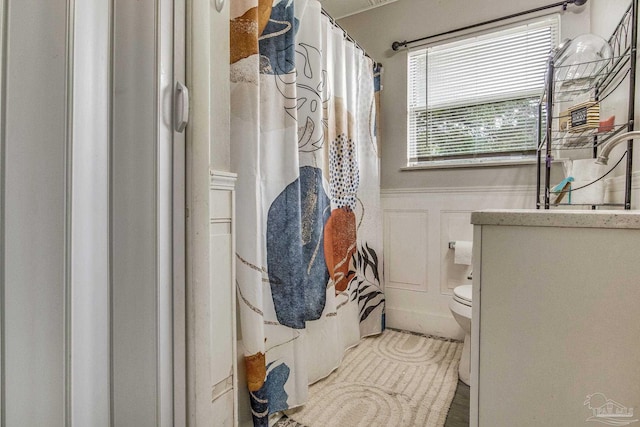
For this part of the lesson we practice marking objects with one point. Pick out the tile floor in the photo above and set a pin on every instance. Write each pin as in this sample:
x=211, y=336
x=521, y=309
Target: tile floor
x=459, y=412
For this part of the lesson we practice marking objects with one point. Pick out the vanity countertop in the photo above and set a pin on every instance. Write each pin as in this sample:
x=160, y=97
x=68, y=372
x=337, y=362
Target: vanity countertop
x=559, y=218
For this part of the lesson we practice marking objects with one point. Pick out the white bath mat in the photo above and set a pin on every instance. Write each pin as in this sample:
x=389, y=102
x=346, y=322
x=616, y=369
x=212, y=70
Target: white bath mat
x=395, y=379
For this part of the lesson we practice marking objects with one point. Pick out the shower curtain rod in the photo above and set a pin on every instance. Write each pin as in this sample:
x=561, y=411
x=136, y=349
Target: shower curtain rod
x=397, y=45
x=351, y=39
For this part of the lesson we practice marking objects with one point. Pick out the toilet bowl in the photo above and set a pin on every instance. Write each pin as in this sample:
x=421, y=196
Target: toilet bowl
x=460, y=306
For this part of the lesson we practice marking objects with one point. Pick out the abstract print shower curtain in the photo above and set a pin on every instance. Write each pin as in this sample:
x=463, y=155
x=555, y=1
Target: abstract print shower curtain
x=309, y=243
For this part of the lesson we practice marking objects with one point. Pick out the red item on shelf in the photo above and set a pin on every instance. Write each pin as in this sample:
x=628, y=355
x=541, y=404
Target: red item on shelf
x=606, y=125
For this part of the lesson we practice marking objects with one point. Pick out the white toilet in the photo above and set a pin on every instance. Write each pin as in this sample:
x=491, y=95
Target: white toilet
x=460, y=306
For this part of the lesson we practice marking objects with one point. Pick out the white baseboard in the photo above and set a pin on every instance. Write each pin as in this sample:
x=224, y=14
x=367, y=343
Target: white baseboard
x=274, y=418
x=423, y=323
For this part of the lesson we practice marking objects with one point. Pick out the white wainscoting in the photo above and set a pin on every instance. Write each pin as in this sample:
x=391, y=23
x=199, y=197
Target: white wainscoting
x=419, y=270
x=614, y=192
x=222, y=299
x=211, y=307
x=406, y=267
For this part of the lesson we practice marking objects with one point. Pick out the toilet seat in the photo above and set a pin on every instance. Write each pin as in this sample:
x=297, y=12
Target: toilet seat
x=463, y=294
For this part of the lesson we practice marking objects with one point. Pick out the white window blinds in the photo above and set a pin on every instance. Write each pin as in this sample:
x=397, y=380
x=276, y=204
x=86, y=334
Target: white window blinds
x=478, y=96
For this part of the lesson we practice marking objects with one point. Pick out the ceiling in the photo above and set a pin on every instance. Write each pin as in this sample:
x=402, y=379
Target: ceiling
x=341, y=8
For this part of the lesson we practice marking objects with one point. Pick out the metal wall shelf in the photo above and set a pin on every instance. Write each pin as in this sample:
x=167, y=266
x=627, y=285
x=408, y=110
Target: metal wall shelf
x=562, y=140
x=598, y=80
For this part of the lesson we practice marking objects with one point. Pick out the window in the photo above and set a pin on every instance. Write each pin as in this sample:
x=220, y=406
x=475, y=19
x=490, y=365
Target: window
x=478, y=97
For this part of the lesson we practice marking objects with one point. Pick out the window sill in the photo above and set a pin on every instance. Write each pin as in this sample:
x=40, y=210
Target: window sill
x=472, y=163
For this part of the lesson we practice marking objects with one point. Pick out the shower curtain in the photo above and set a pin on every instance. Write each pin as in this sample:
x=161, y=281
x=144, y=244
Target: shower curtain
x=309, y=240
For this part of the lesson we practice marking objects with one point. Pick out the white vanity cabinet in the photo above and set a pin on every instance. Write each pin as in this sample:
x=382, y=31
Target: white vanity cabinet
x=556, y=318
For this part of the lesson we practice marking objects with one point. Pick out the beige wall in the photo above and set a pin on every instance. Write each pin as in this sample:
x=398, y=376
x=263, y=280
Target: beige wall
x=376, y=29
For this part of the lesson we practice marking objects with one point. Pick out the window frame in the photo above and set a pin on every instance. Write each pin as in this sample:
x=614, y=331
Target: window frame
x=477, y=158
